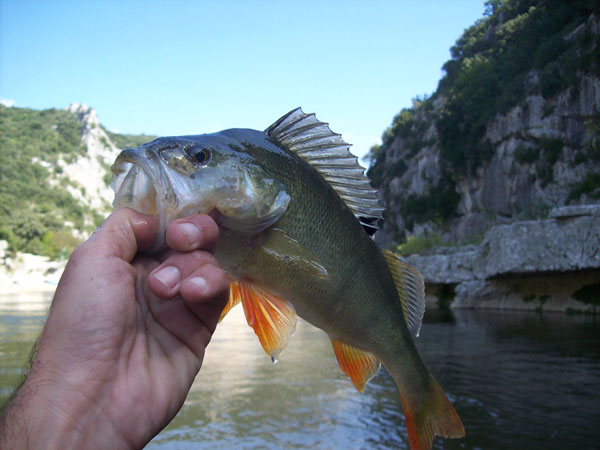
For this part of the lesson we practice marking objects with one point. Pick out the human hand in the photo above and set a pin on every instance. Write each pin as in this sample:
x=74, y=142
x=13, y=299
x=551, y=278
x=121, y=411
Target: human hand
x=124, y=338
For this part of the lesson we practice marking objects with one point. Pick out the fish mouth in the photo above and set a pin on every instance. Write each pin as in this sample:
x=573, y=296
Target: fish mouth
x=140, y=182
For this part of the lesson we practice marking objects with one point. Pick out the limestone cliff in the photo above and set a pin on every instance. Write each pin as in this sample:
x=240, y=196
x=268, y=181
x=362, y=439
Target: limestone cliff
x=55, y=174
x=89, y=171
x=497, y=144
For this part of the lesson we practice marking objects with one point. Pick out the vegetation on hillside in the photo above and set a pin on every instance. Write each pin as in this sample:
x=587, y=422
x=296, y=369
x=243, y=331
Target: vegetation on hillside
x=37, y=213
x=33, y=212
x=493, y=62
x=520, y=48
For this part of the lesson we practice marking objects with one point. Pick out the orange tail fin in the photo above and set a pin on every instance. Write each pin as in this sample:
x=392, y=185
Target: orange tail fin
x=435, y=417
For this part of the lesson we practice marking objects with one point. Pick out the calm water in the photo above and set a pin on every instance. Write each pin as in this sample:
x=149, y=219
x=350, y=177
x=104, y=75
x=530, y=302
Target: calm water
x=518, y=380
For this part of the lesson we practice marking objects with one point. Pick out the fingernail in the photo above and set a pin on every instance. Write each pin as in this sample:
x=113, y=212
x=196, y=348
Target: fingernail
x=169, y=276
x=192, y=233
x=199, y=282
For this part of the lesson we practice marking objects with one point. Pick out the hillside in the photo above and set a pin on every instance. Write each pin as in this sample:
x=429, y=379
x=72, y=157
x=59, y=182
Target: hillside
x=512, y=130
x=54, y=177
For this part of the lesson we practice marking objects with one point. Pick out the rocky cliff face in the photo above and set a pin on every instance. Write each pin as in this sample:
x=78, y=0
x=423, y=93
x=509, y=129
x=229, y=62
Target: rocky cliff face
x=503, y=159
x=539, y=157
x=89, y=172
x=544, y=150
x=540, y=153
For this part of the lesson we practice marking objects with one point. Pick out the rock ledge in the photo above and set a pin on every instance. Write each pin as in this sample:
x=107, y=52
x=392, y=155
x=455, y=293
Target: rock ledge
x=523, y=265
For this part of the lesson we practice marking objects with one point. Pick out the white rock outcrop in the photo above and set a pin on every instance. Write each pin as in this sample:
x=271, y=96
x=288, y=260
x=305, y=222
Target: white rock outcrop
x=88, y=171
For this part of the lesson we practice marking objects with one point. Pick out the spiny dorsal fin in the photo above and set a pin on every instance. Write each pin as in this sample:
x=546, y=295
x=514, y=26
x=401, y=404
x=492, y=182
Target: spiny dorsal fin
x=411, y=290
x=327, y=152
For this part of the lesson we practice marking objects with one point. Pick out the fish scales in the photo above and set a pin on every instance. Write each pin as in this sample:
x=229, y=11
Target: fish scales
x=293, y=204
x=355, y=266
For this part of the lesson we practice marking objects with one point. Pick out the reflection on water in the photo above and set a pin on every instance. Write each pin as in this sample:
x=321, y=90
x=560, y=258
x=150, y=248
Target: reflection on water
x=518, y=380
x=521, y=380
x=242, y=400
x=21, y=320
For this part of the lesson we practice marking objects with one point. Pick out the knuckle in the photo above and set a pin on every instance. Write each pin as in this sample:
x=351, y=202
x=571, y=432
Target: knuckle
x=208, y=228
x=203, y=257
x=79, y=254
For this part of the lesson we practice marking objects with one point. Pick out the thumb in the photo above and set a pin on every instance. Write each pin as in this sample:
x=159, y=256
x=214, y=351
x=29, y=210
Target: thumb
x=124, y=233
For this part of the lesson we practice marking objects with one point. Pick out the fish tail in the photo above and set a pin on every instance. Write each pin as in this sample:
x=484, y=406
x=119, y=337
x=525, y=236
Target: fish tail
x=433, y=416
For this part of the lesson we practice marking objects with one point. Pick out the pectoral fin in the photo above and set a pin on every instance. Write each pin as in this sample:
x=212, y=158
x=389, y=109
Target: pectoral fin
x=358, y=364
x=272, y=318
x=289, y=251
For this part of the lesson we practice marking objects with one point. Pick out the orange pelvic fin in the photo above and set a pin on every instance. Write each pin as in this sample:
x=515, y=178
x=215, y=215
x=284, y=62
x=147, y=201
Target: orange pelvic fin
x=272, y=318
x=235, y=297
x=358, y=364
x=434, y=417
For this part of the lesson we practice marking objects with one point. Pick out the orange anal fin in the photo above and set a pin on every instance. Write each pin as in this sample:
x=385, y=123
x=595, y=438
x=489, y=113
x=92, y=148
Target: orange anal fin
x=234, y=298
x=435, y=417
x=272, y=318
x=358, y=364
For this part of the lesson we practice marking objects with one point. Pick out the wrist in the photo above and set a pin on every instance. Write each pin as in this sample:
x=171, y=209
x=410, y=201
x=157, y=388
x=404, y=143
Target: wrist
x=46, y=415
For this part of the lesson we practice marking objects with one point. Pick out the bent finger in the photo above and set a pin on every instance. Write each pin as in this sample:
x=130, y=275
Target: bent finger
x=206, y=293
x=191, y=233
x=165, y=280
x=208, y=283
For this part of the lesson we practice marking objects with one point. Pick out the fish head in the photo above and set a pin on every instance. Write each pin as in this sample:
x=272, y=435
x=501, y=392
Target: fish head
x=175, y=177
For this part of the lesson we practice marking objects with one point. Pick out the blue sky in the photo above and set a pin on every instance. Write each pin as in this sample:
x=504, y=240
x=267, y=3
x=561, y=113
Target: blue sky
x=191, y=67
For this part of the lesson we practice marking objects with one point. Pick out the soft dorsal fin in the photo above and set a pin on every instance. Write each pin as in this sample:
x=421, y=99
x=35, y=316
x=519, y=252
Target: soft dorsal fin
x=411, y=290
x=327, y=152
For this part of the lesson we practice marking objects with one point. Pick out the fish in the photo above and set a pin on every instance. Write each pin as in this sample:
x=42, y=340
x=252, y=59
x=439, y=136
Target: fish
x=294, y=207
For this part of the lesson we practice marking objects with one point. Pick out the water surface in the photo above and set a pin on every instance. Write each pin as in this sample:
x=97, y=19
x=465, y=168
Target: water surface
x=517, y=379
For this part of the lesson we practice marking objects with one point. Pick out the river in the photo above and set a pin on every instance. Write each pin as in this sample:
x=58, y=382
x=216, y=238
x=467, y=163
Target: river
x=517, y=379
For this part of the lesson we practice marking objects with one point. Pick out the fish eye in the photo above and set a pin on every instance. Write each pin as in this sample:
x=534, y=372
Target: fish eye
x=201, y=157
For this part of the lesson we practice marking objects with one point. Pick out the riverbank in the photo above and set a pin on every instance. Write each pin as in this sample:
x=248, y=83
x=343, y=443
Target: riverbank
x=551, y=265
x=27, y=273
